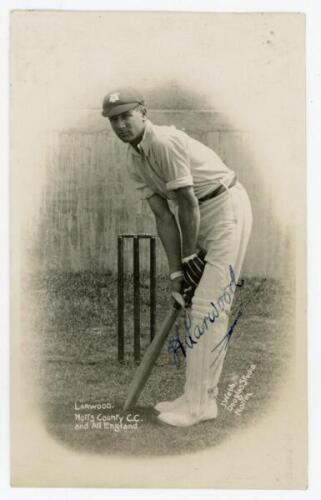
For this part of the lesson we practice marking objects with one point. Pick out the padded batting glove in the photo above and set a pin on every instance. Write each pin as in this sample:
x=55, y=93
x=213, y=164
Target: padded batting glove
x=193, y=268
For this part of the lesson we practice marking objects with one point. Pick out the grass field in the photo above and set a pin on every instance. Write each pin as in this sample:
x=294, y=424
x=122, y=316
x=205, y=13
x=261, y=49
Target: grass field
x=73, y=354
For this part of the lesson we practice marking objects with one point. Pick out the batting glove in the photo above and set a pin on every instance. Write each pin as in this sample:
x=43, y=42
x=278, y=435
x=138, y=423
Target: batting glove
x=184, y=299
x=193, y=268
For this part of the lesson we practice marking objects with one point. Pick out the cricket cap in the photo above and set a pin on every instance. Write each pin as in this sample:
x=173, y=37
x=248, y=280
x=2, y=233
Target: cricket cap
x=121, y=100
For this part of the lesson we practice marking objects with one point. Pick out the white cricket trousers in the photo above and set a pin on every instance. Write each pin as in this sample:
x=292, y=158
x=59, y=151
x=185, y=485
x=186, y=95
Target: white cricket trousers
x=225, y=228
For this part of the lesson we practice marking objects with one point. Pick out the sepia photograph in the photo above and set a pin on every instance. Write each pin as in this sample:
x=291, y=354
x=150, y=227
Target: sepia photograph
x=158, y=250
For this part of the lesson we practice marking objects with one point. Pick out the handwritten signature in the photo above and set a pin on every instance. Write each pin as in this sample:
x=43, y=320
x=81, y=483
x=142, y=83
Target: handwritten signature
x=177, y=347
x=222, y=345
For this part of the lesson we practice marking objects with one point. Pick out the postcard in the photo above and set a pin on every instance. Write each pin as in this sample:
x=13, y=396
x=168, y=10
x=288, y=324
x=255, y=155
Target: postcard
x=158, y=262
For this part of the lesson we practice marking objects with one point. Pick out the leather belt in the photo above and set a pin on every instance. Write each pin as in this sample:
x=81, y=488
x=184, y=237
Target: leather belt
x=221, y=189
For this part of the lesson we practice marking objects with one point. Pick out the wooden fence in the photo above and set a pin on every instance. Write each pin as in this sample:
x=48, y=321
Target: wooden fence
x=88, y=199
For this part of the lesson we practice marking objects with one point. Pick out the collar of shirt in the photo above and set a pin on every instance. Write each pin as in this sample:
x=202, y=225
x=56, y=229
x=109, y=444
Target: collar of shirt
x=145, y=143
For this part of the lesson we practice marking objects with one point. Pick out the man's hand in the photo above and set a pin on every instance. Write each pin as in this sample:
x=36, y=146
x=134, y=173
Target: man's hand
x=184, y=298
x=182, y=292
x=183, y=287
x=187, y=294
x=177, y=284
x=193, y=268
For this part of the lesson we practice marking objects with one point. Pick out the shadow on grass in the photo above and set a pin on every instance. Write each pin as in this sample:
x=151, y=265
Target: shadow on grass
x=74, y=322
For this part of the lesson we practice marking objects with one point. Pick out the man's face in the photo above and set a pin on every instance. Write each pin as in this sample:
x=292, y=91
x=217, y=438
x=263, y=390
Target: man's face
x=129, y=126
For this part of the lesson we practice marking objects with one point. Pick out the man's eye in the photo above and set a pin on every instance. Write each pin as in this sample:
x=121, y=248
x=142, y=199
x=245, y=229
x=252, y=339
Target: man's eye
x=123, y=116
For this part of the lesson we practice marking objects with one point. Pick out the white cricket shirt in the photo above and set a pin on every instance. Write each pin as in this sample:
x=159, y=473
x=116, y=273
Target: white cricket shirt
x=169, y=159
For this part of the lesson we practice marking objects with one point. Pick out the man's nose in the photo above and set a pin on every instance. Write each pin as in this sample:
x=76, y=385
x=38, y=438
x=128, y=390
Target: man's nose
x=119, y=122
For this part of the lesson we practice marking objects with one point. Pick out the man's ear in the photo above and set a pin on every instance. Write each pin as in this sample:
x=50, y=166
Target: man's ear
x=143, y=110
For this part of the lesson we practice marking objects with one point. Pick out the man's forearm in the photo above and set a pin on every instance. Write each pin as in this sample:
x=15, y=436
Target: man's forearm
x=189, y=221
x=169, y=234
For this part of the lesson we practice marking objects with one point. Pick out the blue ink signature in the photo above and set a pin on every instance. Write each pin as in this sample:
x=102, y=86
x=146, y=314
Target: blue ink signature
x=176, y=346
x=227, y=337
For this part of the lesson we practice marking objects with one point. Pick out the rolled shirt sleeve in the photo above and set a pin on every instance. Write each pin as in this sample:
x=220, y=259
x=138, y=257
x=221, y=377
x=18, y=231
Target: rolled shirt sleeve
x=173, y=156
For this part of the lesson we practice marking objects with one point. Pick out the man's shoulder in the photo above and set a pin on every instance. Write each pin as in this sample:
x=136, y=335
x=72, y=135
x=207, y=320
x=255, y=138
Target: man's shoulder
x=163, y=135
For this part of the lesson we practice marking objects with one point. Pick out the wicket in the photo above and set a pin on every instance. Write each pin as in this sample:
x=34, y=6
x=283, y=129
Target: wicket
x=136, y=287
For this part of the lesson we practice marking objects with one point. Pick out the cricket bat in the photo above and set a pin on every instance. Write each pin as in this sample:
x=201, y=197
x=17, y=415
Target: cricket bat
x=150, y=356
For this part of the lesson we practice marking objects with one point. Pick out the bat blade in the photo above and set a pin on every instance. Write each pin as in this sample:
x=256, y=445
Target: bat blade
x=153, y=351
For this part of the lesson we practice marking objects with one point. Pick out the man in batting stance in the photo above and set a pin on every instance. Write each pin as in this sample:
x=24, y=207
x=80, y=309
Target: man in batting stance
x=213, y=213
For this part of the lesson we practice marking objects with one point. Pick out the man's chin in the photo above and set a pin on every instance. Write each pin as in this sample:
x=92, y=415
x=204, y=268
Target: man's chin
x=125, y=138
